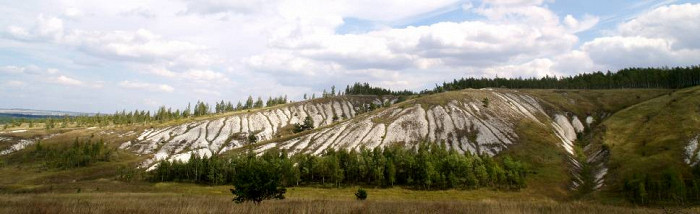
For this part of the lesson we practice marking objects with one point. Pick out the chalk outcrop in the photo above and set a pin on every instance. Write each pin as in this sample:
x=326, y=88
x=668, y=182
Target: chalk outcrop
x=215, y=136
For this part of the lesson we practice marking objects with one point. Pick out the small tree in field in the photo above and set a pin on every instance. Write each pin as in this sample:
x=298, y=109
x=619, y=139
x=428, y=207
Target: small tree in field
x=257, y=180
x=361, y=194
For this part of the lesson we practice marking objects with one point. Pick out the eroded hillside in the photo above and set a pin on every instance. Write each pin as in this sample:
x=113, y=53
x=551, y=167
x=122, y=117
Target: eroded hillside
x=218, y=135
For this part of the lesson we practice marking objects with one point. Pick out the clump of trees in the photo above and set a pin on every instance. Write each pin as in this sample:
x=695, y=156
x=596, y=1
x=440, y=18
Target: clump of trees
x=366, y=89
x=667, y=186
x=80, y=154
x=427, y=166
x=308, y=124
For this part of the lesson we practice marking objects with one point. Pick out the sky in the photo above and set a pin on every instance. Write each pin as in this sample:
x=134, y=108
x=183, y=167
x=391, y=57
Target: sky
x=103, y=56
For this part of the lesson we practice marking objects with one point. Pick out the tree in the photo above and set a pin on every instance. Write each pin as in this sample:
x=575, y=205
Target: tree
x=259, y=103
x=257, y=180
x=249, y=103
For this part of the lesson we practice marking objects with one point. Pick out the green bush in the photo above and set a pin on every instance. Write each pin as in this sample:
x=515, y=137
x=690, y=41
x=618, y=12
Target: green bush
x=361, y=194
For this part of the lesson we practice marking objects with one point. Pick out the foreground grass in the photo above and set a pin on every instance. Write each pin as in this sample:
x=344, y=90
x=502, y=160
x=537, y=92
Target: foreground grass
x=181, y=203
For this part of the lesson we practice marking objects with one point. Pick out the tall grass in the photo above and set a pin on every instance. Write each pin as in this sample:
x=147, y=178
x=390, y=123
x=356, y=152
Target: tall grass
x=174, y=203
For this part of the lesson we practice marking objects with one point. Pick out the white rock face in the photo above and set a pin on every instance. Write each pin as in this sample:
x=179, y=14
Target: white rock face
x=223, y=134
x=692, y=153
x=565, y=131
x=21, y=144
x=576, y=123
x=589, y=121
x=464, y=125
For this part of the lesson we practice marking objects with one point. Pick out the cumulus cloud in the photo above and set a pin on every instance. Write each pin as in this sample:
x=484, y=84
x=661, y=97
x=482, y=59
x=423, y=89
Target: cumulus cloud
x=139, y=46
x=226, y=49
x=516, y=34
x=64, y=80
x=676, y=23
x=576, y=25
x=146, y=86
x=665, y=36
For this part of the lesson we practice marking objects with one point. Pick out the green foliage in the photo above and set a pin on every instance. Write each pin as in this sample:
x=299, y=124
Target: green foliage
x=257, y=180
x=366, y=89
x=677, y=77
x=252, y=138
x=258, y=103
x=79, y=154
x=485, y=102
x=361, y=194
x=430, y=166
x=307, y=125
x=277, y=101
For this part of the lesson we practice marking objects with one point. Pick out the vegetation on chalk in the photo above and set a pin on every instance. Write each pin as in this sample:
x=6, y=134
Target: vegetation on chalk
x=428, y=167
x=308, y=124
x=79, y=154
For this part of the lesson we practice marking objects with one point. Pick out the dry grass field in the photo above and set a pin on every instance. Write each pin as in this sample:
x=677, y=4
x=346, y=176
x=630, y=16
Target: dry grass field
x=184, y=203
x=187, y=198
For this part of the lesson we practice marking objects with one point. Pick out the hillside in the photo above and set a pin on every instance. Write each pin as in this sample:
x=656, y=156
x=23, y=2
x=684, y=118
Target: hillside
x=653, y=148
x=570, y=140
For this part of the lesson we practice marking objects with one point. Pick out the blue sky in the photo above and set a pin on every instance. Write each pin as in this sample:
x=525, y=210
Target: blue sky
x=103, y=56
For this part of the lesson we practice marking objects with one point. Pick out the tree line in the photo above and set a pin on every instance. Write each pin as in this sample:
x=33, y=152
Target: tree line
x=366, y=89
x=664, y=77
x=161, y=115
x=668, y=186
x=428, y=166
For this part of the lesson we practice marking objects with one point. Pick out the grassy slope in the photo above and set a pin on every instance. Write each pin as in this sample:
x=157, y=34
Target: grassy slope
x=651, y=136
x=538, y=148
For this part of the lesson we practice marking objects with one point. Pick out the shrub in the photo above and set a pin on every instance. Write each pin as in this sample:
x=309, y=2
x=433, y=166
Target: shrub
x=361, y=194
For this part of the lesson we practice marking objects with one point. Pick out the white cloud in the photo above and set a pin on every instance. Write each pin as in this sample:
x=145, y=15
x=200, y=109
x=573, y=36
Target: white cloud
x=226, y=49
x=676, y=23
x=206, y=92
x=51, y=70
x=10, y=69
x=146, y=86
x=513, y=2
x=139, y=46
x=14, y=83
x=140, y=11
x=665, y=36
x=204, y=75
x=73, y=12
x=576, y=26
x=64, y=80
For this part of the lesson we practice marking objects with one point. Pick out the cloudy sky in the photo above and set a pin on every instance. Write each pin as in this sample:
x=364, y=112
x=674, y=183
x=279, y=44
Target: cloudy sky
x=102, y=56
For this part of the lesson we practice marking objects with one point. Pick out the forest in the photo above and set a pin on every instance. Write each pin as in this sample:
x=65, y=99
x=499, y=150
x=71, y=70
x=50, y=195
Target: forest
x=676, y=77
x=427, y=167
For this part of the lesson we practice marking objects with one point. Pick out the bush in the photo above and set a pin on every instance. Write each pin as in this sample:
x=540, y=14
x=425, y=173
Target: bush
x=361, y=194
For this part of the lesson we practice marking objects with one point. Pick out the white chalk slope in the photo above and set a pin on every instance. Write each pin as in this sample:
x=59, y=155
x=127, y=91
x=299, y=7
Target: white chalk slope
x=216, y=136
